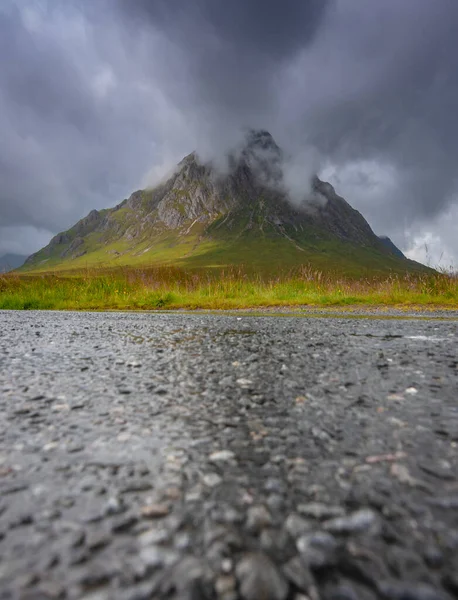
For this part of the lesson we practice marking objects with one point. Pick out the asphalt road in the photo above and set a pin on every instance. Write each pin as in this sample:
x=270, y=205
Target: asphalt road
x=223, y=456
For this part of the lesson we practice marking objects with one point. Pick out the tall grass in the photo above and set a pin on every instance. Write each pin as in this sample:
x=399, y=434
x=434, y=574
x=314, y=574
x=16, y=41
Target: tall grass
x=170, y=287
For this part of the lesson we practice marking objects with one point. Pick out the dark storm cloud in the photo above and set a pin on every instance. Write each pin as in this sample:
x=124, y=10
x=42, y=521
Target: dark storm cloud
x=351, y=82
x=227, y=55
x=92, y=94
x=62, y=126
x=397, y=104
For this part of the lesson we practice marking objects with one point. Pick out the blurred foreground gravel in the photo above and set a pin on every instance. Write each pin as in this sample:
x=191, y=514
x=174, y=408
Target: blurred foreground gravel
x=222, y=456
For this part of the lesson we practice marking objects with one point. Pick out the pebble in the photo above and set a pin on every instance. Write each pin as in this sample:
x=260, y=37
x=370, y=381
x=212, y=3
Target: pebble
x=320, y=511
x=296, y=525
x=139, y=485
x=221, y=456
x=362, y=520
x=397, y=590
x=154, y=511
x=258, y=517
x=114, y=506
x=154, y=536
x=212, y=479
x=259, y=578
x=318, y=549
x=412, y=391
x=152, y=556
x=225, y=584
x=298, y=574
x=244, y=383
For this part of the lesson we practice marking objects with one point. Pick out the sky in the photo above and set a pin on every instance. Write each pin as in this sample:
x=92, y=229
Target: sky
x=99, y=98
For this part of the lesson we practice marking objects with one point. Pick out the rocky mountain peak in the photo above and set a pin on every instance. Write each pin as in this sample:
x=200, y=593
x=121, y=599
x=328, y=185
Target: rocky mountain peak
x=262, y=140
x=198, y=206
x=263, y=157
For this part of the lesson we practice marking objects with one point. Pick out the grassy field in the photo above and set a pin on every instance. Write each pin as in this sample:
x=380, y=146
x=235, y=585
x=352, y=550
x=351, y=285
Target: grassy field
x=170, y=287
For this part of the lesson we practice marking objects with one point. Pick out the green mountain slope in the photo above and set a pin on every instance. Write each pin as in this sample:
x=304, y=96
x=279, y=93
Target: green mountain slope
x=201, y=219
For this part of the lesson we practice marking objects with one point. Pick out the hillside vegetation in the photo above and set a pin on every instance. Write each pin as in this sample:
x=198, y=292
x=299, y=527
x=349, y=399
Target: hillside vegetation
x=172, y=288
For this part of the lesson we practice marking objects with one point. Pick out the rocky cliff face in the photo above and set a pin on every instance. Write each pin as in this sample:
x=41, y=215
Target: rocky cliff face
x=251, y=198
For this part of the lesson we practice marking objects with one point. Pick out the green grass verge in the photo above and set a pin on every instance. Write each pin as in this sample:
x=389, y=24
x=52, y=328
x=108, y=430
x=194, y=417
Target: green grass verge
x=172, y=287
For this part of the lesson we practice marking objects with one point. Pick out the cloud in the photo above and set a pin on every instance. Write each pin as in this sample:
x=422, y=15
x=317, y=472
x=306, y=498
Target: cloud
x=23, y=239
x=97, y=99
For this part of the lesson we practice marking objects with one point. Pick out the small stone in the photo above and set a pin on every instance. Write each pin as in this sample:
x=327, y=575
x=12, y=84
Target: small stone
x=320, y=511
x=190, y=578
x=221, y=456
x=74, y=448
x=402, y=474
x=275, y=485
x=258, y=517
x=440, y=471
x=226, y=514
x=296, y=526
x=275, y=502
x=343, y=591
x=153, y=536
x=182, y=541
x=318, y=549
x=259, y=578
x=50, y=446
x=60, y=407
x=212, y=479
x=433, y=556
x=152, y=556
x=245, y=384
x=395, y=397
x=275, y=543
x=114, y=506
x=444, y=502
x=225, y=584
x=362, y=520
x=299, y=575
x=226, y=565
x=412, y=391
x=172, y=493
x=140, y=485
x=397, y=590
x=155, y=511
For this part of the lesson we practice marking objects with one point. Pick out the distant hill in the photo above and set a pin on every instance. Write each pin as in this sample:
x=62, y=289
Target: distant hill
x=8, y=262
x=199, y=218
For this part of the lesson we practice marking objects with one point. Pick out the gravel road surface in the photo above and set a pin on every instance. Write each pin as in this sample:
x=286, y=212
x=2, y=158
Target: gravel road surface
x=197, y=456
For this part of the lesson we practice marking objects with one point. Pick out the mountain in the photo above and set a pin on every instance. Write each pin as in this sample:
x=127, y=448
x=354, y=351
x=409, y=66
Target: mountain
x=8, y=262
x=201, y=217
x=390, y=245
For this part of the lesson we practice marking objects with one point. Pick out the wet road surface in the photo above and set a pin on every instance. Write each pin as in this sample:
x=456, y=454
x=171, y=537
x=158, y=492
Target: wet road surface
x=223, y=456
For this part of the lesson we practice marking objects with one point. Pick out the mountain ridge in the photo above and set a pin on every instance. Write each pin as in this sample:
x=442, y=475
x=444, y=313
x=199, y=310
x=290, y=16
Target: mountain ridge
x=200, y=215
